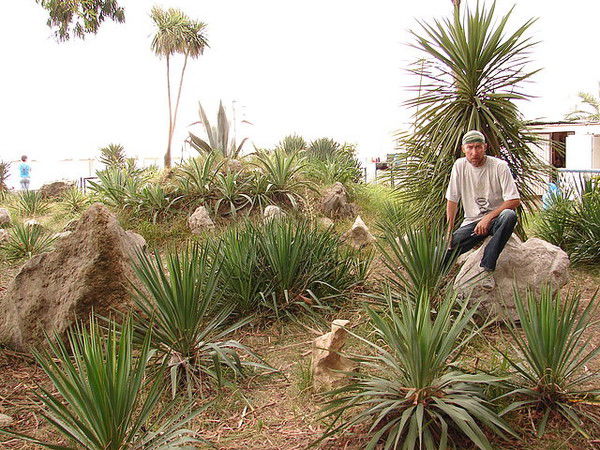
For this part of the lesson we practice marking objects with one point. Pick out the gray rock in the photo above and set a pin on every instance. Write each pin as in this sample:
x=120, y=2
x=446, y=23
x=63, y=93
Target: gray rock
x=138, y=243
x=273, y=212
x=200, y=221
x=4, y=217
x=359, y=235
x=521, y=266
x=55, y=190
x=325, y=222
x=334, y=202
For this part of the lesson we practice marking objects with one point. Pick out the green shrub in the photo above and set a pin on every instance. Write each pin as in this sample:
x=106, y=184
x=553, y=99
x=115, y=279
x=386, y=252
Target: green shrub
x=30, y=204
x=196, y=177
x=554, y=346
x=24, y=241
x=231, y=194
x=283, y=174
x=408, y=392
x=180, y=301
x=103, y=398
x=416, y=260
x=292, y=144
x=74, y=201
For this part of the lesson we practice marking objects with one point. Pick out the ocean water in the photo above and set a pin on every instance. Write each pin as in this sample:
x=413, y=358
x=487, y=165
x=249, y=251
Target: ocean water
x=47, y=171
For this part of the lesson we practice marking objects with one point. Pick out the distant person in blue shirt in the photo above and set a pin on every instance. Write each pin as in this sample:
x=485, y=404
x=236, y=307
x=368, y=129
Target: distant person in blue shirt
x=25, y=172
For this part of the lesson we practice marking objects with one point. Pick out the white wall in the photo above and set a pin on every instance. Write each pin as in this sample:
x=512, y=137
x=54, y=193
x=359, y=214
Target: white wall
x=579, y=152
x=596, y=153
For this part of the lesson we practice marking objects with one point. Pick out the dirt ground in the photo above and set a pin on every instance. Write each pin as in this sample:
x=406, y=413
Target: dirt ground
x=277, y=411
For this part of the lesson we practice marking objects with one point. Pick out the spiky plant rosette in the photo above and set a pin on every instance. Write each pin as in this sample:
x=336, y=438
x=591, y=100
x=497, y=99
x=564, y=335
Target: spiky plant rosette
x=408, y=393
x=24, y=241
x=181, y=302
x=552, y=347
x=471, y=74
x=103, y=397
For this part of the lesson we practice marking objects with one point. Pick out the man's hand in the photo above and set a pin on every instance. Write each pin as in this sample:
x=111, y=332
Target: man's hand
x=483, y=227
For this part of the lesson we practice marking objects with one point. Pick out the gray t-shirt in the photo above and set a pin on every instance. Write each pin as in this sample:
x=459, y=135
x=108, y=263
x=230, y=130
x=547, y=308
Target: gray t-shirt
x=481, y=189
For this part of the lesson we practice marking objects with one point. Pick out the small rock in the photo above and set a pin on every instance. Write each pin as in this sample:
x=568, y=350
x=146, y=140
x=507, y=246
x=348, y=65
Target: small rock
x=137, y=240
x=334, y=202
x=358, y=236
x=325, y=222
x=273, y=212
x=4, y=217
x=327, y=362
x=55, y=190
x=5, y=421
x=62, y=234
x=200, y=221
x=32, y=223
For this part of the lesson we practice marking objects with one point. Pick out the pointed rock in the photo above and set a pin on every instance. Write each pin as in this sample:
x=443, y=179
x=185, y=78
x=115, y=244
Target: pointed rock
x=327, y=362
x=200, y=221
x=359, y=235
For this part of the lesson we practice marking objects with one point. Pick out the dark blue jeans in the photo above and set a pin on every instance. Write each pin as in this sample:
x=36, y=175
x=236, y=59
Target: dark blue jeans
x=464, y=239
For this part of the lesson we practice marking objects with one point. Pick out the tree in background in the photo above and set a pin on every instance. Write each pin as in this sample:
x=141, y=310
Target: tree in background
x=591, y=105
x=176, y=33
x=76, y=18
x=470, y=78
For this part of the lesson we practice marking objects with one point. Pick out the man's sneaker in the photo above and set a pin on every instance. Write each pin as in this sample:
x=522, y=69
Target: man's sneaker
x=487, y=282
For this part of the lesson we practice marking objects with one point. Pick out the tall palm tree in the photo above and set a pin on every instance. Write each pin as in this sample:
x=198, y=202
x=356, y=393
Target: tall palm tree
x=588, y=102
x=176, y=33
x=470, y=77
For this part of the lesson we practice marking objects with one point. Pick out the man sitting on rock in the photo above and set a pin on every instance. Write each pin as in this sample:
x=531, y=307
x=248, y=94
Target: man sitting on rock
x=489, y=197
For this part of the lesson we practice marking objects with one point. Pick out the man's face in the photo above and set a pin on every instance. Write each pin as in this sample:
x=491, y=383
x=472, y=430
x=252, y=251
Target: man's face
x=475, y=152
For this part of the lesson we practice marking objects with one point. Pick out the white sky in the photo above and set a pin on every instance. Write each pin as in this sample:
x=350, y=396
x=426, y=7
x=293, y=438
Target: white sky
x=318, y=68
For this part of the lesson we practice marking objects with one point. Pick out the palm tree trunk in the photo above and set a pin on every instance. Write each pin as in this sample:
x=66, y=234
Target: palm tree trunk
x=170, y=138
x=174, y=121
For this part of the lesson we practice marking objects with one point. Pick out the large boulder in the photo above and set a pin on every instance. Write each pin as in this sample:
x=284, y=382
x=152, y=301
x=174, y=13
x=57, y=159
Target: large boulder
x=88, y=269
x=56, y=189
x=521, y=266
x=328, y=365
x=359, y=235
x=200, y=221
x=4, y=217
x=334, y=202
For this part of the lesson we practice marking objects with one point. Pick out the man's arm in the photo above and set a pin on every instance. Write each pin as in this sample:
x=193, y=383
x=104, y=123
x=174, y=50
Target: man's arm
x=451, y=210
x=484, y=224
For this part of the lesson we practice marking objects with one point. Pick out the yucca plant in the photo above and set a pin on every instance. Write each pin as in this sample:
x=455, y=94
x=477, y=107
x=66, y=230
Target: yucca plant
x=231, y=190
x=4, y=173
x=74, y=201
x=103, y=398
x=113, y=155
x=470, y=76
x=322, y=149
x=117, y=187
x=196, y=177
x=153, y=201
x=219, y=139
x=417, y=259
x=553, y=347
x=408, y=392
x=393, y=216
x=283, y=173
x=30, y=204
x=258, y=189
x=292, y=143
x=585, y=224
x=180, y=301
x=24, y=241
x=553, y=223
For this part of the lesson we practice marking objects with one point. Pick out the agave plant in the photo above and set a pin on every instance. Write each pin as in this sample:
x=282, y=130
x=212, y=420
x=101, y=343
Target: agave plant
x=470, y=77
x=180, y=301
x=218, y=137
x=408, y=392
x=554, y=348
x=30, y=204
x=74, y=201
x=231, y=190
x=283, y=173
x=292, y=144
x=103, y=398
x=113, y=155
x=24, y=241
x=196, y=178
x=4, y=173
x=323, y=149
x=417, y=259
x=117, y=187
x=154, y=201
